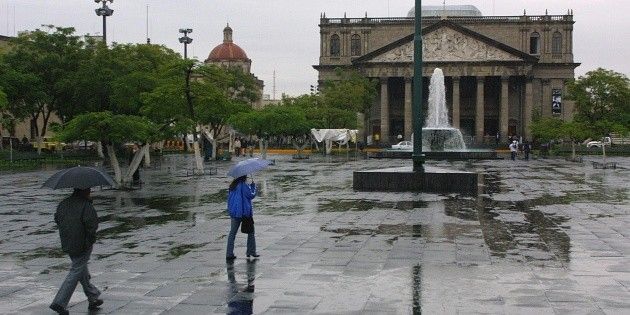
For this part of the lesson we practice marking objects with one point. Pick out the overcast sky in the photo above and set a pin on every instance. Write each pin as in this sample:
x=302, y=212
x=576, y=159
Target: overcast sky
x=283, y=35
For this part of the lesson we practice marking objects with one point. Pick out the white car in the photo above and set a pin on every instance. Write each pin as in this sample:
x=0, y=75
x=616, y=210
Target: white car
x=403, y=145
x=598, y=144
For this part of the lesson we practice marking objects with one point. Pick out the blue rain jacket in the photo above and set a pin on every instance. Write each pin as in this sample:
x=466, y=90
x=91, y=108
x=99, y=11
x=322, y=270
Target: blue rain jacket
x=240, y=200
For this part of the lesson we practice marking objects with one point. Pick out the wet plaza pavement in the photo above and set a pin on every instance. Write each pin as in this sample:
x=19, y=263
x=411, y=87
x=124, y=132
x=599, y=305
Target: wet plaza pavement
x=542, y=237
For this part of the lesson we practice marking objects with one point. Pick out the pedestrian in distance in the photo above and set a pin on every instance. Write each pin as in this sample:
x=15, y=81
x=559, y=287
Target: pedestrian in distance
x=240, y=196
x=237, y=147
x=527, y=148
x=77, y=222
x=513, y=150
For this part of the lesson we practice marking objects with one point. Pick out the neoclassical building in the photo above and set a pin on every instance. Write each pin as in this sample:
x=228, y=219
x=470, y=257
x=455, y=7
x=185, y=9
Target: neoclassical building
x=229, y=54
x=500, y=71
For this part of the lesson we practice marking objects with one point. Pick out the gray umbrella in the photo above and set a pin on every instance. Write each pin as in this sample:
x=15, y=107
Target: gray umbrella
x=79, y=177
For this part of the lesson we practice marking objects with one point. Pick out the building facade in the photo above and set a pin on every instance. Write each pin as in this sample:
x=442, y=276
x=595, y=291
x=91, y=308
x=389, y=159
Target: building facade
x=501, y=71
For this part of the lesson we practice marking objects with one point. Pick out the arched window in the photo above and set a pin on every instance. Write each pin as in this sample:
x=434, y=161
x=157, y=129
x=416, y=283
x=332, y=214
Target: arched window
x=355, y=45
x=335, y=46
x=556, y=43
x=534, y=44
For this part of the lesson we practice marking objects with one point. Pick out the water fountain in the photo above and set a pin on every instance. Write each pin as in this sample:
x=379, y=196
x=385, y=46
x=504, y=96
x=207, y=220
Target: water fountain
x=438, y=134
x=421, y=177
x=440, y=140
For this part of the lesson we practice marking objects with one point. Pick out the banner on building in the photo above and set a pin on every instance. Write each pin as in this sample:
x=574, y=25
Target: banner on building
x=556, y=101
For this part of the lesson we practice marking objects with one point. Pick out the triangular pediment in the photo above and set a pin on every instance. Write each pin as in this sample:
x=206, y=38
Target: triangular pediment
x=447, y=42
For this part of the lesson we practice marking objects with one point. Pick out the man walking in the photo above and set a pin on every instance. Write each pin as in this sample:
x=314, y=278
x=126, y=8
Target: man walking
x=77, y=222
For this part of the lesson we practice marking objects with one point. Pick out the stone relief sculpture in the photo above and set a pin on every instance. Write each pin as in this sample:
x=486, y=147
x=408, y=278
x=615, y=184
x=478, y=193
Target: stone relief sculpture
x=446, y=44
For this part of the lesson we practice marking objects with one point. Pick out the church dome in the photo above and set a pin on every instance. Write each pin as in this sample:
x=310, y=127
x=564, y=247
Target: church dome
x=449, y=10
x=227, y=51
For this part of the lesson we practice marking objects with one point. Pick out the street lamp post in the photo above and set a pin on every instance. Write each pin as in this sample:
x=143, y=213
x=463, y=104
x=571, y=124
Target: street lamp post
x=418, y=115
x=185, y=40
x=104, y=11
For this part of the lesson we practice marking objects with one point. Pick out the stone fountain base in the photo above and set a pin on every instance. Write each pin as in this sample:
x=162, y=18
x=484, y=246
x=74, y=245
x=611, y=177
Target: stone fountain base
x=432, y=180
x=470, y=154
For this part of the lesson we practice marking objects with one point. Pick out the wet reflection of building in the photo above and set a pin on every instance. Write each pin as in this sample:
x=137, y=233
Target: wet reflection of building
x=240, y=298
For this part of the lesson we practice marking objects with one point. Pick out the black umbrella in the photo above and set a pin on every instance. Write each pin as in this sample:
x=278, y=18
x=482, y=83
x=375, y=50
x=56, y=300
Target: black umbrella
x=79, y=177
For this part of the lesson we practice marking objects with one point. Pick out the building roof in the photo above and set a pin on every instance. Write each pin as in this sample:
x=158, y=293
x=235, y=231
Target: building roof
x=449, y=10
x=228, y=50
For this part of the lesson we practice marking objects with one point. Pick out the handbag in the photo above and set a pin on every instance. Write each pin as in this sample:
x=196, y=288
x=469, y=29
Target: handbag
x=247, y=225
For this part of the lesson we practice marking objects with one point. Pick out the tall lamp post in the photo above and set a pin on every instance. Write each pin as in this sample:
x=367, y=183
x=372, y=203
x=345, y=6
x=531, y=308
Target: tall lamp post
x=104, y=11
x=418, y=115
x=185, y=40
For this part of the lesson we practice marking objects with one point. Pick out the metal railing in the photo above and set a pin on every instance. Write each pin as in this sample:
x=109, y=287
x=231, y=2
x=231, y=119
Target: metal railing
x=430, y=19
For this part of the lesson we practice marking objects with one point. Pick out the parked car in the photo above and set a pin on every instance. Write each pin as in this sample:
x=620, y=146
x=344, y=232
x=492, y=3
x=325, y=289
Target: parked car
x=598, y=144
x=403, y=145
x=82, y=145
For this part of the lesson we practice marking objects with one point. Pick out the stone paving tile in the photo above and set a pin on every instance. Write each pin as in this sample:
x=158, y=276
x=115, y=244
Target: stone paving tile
x=546, y=236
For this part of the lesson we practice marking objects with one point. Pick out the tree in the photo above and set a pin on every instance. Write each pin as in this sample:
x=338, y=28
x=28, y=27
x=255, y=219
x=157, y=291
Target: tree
x=601, y=98
x=547, y=129
x=114, y=130
x=38, y=71
x=285, y=120
x=190, y=95
x=340, y=100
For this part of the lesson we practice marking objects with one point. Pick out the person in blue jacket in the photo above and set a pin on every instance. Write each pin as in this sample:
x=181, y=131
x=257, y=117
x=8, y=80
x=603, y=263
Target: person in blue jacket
x=239, y=202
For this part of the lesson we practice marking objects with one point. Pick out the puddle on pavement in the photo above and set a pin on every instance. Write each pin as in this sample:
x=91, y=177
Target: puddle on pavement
x=177, y=251
x=54, y=252
x=383, y=229
x=352, y=205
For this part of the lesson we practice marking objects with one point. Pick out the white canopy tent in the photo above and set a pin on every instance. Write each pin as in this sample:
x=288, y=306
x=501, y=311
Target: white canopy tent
x=340, y=136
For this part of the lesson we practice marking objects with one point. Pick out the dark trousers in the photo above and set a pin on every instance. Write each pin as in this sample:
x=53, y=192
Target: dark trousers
x=78, y=273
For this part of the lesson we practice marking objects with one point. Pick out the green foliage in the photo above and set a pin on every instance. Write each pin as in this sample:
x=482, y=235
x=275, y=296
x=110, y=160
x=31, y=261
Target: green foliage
x=189, y=94
x=339, y=101
x=547, y=129
x=37, y=71
x=281, y=120
x=106, y=126
x=601, y=98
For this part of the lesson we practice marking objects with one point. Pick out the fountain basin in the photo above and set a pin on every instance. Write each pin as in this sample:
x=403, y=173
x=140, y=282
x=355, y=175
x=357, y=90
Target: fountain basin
x=432, y=180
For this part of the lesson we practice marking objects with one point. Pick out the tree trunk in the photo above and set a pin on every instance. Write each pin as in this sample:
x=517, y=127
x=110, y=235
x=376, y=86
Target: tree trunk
x=329, y=146
x=198, y=158
x=604, y=152
x=573, y=150
x=186, y=144
x=39, y=144
x=263, y=148
x=99, y=149
x=114, y=162
x=147, y=155
x=135, y=163
x=214, y=149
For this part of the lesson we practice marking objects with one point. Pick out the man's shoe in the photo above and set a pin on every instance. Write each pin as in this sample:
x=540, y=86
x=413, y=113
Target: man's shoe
x=59, y=309
x=94, y=305
x=230, y=257
x=253, y=255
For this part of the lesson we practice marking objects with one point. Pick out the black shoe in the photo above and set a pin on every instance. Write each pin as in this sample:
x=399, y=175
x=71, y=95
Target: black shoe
x=94, y=305
x=253, y=255
x=59, y=309
x=230, y=257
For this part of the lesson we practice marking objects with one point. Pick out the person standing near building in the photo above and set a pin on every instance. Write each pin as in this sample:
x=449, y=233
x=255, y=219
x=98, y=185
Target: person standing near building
x=527, y=148
x=77, y=222
x=237, y=147
x=513, y=150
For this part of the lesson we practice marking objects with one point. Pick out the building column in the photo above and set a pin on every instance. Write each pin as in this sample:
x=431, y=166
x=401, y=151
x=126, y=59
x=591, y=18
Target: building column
x=456, y=111
x=527, y=111
x=384, y=111
x=504, y=109
x=408, y=110
x=479, y=110
x=546, y=98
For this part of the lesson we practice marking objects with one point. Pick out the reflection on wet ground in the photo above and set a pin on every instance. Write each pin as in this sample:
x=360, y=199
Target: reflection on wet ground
x=542, y=236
